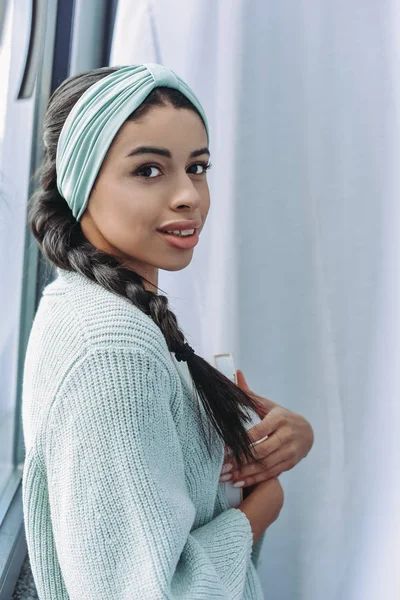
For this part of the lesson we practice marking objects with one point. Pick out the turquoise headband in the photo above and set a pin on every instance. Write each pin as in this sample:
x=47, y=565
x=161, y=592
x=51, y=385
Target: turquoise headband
x=95, y=120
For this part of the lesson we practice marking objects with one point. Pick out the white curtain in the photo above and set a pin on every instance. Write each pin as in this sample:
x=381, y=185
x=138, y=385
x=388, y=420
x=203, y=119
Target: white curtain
x=297, y=269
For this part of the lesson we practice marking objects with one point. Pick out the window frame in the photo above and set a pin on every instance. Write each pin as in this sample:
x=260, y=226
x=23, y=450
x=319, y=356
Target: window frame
x=68, y=47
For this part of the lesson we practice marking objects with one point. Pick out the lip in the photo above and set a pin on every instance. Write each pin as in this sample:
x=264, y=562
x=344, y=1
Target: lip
x=180, y=225
x=184, y=243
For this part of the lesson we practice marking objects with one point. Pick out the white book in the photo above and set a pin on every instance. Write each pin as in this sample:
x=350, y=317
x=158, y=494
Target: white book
x=225, y=364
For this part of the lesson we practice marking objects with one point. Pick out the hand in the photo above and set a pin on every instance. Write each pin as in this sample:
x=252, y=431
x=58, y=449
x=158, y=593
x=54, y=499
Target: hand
x=263, y=506
x=290, y=438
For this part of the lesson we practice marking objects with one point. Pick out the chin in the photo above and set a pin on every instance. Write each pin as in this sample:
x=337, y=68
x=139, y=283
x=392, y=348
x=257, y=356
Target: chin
x=178, y=266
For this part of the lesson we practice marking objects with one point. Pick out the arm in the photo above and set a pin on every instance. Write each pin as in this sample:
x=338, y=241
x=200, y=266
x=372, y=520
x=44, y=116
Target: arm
x=121, y=513
x=261, y=512
x=262, y=506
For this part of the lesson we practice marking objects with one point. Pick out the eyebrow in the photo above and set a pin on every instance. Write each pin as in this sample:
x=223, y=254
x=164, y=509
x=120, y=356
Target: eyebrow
x=163, y=151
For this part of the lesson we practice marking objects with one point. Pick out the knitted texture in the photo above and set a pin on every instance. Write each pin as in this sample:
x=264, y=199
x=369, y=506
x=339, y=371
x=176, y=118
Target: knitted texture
x=121, y=498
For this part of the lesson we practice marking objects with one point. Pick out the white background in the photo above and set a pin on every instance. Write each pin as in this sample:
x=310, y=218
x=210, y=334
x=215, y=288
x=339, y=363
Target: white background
x=297, y=271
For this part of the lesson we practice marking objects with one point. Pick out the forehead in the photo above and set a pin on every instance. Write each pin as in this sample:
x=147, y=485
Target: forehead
x=167, y=126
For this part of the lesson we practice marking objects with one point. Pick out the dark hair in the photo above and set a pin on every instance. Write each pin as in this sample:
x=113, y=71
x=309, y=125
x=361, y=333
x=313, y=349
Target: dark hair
x=63, y=243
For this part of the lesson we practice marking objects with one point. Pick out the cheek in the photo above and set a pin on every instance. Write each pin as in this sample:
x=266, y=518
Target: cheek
x=119, y=213
x=111, y=197
x=206, y=203
x=125, y=229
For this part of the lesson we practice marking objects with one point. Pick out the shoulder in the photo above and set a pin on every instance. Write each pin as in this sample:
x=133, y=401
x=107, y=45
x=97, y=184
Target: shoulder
x=92, y=354
x=97, y=318
x=112, y=399
x=77, y=318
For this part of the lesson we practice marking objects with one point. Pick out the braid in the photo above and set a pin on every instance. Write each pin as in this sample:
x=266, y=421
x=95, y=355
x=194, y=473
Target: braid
x=62, y=242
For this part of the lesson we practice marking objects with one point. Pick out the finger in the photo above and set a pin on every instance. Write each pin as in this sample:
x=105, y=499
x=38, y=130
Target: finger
x=249, y=481
x=262, y=449
x=267, y=447
x=267, y=426
x=280, y=436
x=227, y=453
x=265, y=475
x=261, y=452
x=279, y=469
x=253, y=468
x=259, y=431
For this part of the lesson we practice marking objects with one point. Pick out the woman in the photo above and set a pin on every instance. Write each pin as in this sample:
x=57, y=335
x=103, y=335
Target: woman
x=121, y=489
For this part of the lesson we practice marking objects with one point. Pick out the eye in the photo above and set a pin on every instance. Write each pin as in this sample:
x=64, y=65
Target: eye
x=205, y=166
x=144, y=171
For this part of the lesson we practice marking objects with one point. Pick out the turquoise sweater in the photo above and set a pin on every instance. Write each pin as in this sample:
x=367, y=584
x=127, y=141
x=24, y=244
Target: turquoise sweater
x=121, y=499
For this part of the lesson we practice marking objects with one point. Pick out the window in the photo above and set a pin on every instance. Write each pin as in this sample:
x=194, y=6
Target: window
x=41, y=43
x=9, y=308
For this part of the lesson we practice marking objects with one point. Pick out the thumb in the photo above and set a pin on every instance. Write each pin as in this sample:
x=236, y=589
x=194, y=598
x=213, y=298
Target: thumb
x=243, y=385
x=241, y=381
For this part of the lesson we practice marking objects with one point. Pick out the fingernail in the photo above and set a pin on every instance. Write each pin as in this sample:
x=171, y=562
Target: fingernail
x=225, y=477
x=239, y=484
x=227, y=467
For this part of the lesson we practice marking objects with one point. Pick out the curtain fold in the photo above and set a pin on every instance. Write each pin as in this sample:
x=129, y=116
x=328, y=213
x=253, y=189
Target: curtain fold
x=296, y=270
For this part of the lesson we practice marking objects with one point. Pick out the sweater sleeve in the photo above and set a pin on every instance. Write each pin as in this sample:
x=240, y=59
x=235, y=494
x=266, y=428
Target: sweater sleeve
x=121, y=514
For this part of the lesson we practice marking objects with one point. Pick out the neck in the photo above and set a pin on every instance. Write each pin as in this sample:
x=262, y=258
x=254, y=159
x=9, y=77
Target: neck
x=151, y=283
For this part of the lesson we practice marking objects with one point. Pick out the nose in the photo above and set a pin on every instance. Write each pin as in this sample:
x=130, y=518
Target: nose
x=186, y=194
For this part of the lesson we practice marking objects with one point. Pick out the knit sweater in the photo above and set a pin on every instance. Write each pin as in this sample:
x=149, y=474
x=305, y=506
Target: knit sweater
x=121, y=497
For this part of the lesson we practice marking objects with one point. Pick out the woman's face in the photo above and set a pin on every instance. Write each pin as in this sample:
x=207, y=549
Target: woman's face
x=136, y=195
